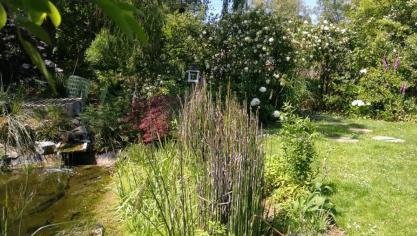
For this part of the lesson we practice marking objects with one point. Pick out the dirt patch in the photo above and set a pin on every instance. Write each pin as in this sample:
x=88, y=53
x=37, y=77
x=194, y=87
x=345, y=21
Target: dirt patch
x=335, y=231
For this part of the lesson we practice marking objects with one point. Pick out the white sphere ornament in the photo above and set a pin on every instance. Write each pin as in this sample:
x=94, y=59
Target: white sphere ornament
x=262, y=89
x=255, y=102
x=276, y=114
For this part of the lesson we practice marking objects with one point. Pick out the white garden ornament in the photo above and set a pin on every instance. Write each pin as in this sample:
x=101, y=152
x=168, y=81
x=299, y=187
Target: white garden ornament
x=255, y=102
x=262, y=89
x=276, y=114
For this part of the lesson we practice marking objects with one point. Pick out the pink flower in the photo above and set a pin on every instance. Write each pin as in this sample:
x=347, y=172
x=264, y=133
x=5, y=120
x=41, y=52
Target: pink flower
x=384, y=62
x=396, y=63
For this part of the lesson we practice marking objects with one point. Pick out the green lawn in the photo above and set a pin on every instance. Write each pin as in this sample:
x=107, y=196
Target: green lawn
x=375, y=183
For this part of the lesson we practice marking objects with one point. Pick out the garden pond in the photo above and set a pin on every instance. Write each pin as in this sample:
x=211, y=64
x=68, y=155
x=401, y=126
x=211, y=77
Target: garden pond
x=60, y=201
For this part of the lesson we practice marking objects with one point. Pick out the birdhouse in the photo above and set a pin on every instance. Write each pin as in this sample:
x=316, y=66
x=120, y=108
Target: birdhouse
x=193, y=74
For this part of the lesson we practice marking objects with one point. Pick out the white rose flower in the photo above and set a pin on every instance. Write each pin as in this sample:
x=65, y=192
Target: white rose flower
x=246, y=69
x=255, y=102
x=276, y=76
x=288, y=58
x=358, y=103
x=267, y=81
x=247, y=39
x=363, y=71
x=271, y=40
x=262, y=89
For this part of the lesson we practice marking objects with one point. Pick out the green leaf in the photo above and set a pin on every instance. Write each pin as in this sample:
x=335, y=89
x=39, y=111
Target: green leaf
x=38, y=61
x=34, y=29
x=137, y=28
x=3, y=16
x=123, y=16
x=37, y=17
x=36, y=5
x=15, y=4
x=111, y=10
x=54, y=14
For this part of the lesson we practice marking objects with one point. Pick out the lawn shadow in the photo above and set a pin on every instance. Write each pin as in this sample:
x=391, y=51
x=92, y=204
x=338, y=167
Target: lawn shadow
x=332, y=127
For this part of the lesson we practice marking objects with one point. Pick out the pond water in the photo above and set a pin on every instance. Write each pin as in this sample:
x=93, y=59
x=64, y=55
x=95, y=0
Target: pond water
x=62, y=201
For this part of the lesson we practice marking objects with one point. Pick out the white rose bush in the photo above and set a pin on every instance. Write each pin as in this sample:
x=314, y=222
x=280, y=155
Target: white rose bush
x=250, y=51
x=324, y=58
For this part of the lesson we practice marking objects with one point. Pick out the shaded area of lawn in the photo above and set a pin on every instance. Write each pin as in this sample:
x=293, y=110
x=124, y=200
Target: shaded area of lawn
x=375, y=183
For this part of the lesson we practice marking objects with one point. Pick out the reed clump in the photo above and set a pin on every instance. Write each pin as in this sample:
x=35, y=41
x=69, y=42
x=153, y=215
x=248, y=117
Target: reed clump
x=208, y=181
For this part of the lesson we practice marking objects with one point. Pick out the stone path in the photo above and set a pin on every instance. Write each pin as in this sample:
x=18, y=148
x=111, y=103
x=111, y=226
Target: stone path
x=388, y=139
x=349, y=139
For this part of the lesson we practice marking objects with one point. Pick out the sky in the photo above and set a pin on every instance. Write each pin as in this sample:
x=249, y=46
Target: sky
x=215, y=6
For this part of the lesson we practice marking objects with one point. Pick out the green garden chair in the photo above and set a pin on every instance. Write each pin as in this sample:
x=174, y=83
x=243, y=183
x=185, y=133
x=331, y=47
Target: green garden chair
x=78, y=87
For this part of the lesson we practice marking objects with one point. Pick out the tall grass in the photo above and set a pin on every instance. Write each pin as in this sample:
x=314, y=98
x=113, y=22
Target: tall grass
x=209, y=181
x=229, y=160
x=14, y=131
x=157, y=191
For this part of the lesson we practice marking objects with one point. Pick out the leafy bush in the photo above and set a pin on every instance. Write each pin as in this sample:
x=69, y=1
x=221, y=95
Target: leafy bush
x=182, y=48
x=298, y=148
x=106, y=123
x=298, y=202
x=309, y=215
x=382, y=90
x=52, y=122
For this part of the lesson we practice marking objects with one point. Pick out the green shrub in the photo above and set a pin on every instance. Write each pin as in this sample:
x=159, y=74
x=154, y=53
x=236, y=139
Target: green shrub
x=309, y=215
x=52, y=121
x=106, y=123
x=381, y=91
x=298, y=202
x=297, y=136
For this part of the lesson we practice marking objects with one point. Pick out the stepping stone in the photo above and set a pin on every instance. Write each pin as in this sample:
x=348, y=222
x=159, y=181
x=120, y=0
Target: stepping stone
x=388, y=139
x=336, y=123
x=345, y=139
x=360, y=130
